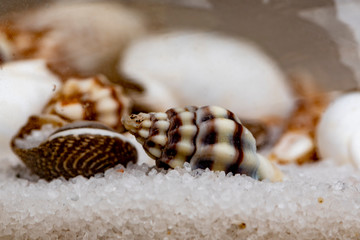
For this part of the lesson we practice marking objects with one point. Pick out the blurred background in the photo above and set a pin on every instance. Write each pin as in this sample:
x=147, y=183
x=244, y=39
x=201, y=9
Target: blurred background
x=317, y=38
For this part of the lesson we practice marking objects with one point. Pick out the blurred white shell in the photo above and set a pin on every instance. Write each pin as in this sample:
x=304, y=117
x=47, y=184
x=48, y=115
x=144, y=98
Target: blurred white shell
x=198, y=68
x=338, y=133
x=25, y=87
x=75, y=38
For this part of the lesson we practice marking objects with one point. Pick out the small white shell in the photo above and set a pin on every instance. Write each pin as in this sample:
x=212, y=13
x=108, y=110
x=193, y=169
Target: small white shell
x=293, y=147
x=338, y=132
x=82, y=38
x=199, y=68
x=25, y=87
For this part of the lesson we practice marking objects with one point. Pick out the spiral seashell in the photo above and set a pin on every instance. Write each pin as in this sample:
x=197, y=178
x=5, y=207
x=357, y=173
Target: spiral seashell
x=207, y=137
x=52, y=148
x=94, y=99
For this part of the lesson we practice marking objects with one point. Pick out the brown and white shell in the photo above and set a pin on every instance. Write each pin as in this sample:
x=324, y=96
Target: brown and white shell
x=207, y=137
x=93, y=99
x=53, y=148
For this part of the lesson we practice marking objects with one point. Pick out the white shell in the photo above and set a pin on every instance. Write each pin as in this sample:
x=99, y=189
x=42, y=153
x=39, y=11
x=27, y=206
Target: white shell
x=198, y=68
x=25, y=87
x=293, y=147
x=338, y=133
x=82, y=38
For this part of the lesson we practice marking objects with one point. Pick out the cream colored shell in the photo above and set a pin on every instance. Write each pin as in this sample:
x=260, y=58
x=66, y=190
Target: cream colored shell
x=207, y=137
x=338, y=132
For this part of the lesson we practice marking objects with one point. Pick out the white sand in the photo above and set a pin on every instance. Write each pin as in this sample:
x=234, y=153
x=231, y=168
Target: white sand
x=319, y=201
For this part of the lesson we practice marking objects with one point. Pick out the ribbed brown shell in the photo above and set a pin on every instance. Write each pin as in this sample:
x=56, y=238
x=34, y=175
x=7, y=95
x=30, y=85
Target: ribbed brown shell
x=93, y=99
x=71, y=155
x=207, y=137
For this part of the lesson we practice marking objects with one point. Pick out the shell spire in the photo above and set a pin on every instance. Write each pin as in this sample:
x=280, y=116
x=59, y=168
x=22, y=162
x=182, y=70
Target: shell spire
x=206, y=137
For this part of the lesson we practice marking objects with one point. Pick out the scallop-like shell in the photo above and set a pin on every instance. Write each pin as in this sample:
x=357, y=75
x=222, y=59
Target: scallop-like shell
x=94, y=99
x=52, y=148
x=207, y=137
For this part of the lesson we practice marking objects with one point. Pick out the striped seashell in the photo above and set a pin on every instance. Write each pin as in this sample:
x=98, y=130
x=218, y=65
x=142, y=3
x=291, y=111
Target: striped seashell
x=52, y=148
x=94, y=99
x=207, y=137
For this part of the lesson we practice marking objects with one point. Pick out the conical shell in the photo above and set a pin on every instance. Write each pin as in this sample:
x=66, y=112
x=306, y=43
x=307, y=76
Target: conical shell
x=207, y=137
x=79, y=148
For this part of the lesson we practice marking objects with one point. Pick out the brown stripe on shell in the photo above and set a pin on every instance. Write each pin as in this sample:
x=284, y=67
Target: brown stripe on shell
x=232, y=116
x=204, y=114
x=236, y=141
x=153, y=131
x=173, y=136
x=203, y=158
x=179, y=120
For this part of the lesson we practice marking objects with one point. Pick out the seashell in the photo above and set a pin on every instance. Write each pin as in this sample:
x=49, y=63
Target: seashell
x=25, y=87
x=297, y=143
x=174, y=67
x=52, y=148
x=86, y=42
x=207, y=137
x=338, y=132
x=94, y=99
x=294, y=147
